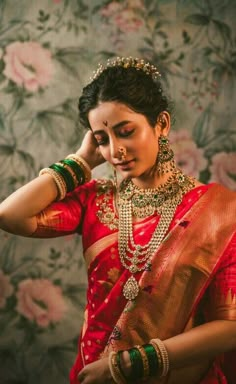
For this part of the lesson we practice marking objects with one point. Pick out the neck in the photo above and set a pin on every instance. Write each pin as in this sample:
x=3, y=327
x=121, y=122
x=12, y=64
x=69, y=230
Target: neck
x=151, y=181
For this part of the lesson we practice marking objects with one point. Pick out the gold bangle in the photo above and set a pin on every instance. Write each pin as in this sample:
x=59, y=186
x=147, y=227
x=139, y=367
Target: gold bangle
x=164, y=356
x=160, y=365
x=59, y=181
x=83, y=164
x=114, y=369
x=146, y=369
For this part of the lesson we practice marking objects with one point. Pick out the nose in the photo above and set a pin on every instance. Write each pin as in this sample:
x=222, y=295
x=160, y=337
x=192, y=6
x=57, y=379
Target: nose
x=114, y=148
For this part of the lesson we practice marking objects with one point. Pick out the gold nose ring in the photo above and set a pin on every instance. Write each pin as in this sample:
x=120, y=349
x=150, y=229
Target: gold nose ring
x=122, y=153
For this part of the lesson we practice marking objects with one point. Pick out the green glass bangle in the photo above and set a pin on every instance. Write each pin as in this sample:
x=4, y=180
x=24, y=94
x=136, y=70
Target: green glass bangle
x=136, y=364
x=79, y=173
x=152, y=359
x=70, y=186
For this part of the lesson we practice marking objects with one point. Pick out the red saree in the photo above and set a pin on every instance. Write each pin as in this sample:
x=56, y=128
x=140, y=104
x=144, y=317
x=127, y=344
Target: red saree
x=186, y=285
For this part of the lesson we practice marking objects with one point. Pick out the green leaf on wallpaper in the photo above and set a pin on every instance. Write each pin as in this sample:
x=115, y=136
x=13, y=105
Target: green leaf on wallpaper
x=43, y=17
x=54, y=255
x=162, y=34
x=69, y=108
x=2, y=78
x=198, y=19
x=2, y=66
x=148, y=41
x=201, y=127
x=10, y=87
x=6, y=150
x=69, y=59
x=186, y=37
x=224, y=30
x=2, y=118
x=218, y=74
x=45, y=122
x=8, y=254
x=75, y=293
x=26, y=158
x=232, y=175
x=204, y=176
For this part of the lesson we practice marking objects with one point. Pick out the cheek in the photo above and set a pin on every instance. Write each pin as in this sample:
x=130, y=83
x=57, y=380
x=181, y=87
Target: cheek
x=105, y=152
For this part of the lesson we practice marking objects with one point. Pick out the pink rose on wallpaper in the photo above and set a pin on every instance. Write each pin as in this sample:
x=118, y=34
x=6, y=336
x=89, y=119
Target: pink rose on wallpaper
x=6, y=289
x=223, y=169
x=127, y=21
x=110, y=9
x=40, y=301
x=188, y=156
x=28, y=64
x=136, y=4
x=122, y=17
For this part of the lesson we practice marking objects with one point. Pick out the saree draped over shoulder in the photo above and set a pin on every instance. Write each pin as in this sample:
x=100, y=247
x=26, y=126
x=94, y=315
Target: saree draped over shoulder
x=192, y=279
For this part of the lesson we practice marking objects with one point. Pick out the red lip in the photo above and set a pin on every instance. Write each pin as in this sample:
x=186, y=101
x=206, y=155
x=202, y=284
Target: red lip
x=124, y=163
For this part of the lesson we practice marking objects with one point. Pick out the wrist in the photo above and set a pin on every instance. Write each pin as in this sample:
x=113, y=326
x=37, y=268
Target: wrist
x=125, y=363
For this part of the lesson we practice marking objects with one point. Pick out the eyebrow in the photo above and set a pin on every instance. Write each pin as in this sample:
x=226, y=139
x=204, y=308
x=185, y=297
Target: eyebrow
x=115, y=127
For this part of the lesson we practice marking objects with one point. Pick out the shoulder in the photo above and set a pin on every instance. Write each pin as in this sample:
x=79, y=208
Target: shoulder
x=104, y=186
x=222, y=194
x=92, y=189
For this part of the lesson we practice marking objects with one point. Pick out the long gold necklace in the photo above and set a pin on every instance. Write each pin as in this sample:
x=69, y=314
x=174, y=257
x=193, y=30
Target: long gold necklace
x=134, y=201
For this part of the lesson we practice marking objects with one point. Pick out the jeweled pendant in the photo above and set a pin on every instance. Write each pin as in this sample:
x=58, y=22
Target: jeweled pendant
x=131, y=289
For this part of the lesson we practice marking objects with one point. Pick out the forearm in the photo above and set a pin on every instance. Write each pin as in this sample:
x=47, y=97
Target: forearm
x=200, y=343
x=18, y=211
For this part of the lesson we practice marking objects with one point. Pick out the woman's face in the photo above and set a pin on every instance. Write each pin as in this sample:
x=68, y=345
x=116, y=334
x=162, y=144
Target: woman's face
x=115, y=125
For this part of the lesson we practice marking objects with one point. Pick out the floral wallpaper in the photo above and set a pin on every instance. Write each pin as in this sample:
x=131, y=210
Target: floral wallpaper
x=48, y=50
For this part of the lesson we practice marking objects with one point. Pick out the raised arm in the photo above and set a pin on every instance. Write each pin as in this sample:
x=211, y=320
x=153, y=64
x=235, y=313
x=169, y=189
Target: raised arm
x=18, y=211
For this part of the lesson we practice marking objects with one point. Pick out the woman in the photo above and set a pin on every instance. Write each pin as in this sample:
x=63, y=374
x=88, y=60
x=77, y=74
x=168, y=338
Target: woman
x=159, y=247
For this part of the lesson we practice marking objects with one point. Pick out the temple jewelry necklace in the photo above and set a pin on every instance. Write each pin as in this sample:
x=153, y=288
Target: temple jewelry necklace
x=134, y=201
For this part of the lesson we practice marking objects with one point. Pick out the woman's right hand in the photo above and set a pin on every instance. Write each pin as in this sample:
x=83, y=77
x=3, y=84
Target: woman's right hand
x=89, y=151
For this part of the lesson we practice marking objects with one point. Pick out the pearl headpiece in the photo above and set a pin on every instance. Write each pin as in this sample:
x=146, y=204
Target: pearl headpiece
x=127, y=62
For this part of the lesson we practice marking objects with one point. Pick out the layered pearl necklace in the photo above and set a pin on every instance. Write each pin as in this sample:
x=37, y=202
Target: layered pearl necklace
x=134, y=201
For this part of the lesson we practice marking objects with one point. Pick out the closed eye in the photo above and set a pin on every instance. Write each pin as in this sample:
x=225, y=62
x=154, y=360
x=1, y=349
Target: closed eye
x=125, y=132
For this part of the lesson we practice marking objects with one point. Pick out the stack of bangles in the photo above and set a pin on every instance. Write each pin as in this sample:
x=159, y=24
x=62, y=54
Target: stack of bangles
x=148, y=360
x=68, y=174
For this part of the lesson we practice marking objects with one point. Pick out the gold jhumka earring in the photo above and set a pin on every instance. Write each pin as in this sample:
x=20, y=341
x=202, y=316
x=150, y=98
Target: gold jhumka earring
x=165, y=158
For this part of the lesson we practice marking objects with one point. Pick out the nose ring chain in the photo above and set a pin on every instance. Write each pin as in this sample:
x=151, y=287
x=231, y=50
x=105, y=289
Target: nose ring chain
x=122, y=153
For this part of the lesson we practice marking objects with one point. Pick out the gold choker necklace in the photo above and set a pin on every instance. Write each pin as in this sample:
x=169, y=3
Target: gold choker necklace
x=134, y=201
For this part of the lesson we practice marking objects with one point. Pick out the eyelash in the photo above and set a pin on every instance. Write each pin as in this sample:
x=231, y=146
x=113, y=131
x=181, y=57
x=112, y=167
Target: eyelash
x=121, y=134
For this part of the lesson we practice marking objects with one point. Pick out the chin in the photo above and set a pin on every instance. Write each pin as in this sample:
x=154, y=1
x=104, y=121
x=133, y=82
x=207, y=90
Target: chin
x=131, y=174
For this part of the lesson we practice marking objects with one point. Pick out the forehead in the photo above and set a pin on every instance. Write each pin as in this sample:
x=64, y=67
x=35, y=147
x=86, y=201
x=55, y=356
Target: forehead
x=112, y=113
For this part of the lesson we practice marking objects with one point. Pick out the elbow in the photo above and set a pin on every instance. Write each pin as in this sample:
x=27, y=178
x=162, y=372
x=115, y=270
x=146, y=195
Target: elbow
x=4, y=221
x=17, y=225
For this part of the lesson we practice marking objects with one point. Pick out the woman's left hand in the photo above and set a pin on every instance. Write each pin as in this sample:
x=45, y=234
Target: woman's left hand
x=97, y=372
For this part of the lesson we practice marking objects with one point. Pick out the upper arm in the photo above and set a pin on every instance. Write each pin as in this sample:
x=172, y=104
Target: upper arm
x=64, y=217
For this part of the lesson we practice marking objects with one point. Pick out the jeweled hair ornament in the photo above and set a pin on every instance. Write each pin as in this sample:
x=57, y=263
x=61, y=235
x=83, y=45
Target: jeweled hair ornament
x=127, y=62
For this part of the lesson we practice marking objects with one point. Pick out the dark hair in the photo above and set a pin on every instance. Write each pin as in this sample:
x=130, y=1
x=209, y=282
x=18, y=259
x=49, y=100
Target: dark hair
x=129, y=86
